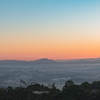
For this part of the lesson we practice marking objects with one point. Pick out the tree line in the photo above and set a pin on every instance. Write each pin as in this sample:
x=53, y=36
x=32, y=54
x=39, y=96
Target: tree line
x=70, y=91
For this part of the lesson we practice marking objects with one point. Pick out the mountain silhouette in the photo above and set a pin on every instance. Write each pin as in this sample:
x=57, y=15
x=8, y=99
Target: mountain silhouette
x=19, y=62
x=80, y=61
x=44, y=60
x=48, y=61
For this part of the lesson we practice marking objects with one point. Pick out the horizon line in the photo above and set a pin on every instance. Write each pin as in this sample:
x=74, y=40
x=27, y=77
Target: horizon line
x=48, y=59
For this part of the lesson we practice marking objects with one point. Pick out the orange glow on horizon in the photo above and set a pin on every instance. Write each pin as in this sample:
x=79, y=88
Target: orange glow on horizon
x=35, y=49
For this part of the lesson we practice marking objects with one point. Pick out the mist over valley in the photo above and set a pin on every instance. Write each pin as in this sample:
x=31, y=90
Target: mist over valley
x=45, y=71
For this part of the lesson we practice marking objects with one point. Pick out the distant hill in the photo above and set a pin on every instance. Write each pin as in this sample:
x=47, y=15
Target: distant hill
x=80, y=61
x=49, y=61
x=18, y=62
x=44, y=61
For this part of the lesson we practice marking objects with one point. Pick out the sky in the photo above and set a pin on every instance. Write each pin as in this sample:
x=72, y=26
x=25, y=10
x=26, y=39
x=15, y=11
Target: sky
x=53, y=29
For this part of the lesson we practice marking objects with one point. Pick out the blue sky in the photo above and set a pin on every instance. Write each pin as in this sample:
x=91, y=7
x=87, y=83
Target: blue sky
x=50, y=23
x=42, y=11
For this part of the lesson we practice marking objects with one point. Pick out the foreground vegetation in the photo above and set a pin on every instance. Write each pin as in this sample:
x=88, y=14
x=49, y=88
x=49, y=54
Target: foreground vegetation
x=70, y=91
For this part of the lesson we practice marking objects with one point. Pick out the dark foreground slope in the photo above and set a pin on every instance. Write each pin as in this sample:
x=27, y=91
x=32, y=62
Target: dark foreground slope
x=35, y=91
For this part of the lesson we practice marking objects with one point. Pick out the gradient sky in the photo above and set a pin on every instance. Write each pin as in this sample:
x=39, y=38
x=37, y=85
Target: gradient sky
x=54, y=29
